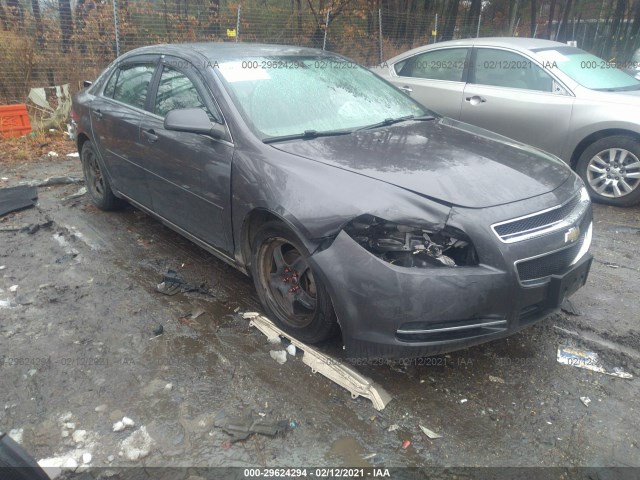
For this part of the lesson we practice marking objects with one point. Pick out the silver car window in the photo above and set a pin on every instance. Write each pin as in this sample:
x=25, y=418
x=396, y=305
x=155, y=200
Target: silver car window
x=502, y=68
x=446, y=64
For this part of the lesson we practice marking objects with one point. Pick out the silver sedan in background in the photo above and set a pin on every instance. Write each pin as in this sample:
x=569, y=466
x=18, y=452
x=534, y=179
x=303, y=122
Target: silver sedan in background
x=555, y=97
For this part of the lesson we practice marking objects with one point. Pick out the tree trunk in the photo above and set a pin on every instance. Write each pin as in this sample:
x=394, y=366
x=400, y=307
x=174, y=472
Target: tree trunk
x=552, y=11
x=66, y=24
x=534, y=19
x=37, y=17
x=515, y=6
x=450, y=21
x=562, y=35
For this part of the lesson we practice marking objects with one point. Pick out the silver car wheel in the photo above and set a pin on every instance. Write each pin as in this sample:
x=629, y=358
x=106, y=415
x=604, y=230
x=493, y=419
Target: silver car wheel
x=614, y=172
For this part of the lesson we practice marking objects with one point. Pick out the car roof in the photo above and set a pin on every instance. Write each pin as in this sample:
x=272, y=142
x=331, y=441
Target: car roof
x=225, y=51
x=517, y=43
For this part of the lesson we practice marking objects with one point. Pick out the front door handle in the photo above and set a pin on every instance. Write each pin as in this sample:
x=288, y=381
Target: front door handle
x=98, y=114
x=150, y=135
x=476, y=100
x=406, y=89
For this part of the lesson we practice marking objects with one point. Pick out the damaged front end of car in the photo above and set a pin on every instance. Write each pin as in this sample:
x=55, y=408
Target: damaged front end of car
x=412, y=246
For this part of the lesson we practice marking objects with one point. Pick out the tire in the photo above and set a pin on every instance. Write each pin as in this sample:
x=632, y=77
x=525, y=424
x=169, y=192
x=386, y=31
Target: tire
x=291, y=294
x=96, y=181
x=610, y=168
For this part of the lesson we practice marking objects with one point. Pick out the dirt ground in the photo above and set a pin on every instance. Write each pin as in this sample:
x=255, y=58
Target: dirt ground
x=78, y=353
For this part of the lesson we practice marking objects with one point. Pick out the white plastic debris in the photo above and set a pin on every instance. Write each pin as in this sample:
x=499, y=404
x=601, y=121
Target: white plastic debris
x=464, y=400
x=279, y=356
x=291, y=350
x=101, y=408
x=578, y=358
x=5, y=303
x=65, y=417
x=52, y=154
x=137, y=445
x=79, y=436
x=248, y=315
x=4, y=179
x=430, y=433
x=13, y=288
x=495, y=379
x=127, y=422
x=2, y=267
x=86, y=458
x=73, y=155
x=168, y=386
x=16, y=434
x=393, y=428
x=70, y=426
x=585, y=400
x=70, y=464
x=118, y=426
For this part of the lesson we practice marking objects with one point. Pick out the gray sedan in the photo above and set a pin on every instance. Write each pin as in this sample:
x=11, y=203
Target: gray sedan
x=547, y=94
x=349, y=204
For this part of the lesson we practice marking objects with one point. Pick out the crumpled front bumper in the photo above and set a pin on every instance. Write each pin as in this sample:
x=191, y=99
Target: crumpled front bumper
x=386, y=311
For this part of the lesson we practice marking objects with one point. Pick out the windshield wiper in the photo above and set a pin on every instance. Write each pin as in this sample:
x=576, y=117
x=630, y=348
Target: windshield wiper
x=307, y=135
x=390, y=121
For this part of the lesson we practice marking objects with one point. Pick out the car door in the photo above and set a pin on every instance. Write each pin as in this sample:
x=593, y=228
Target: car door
x=434, y=78
x=512, y=95
x=189, y=173
x=116, y=114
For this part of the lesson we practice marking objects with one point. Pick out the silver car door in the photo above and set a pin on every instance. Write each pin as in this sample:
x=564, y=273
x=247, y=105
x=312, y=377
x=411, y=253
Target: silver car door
x=434, y=78
x=512, y=95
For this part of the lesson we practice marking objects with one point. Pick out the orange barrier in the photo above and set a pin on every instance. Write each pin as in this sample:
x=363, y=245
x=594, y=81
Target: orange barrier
x=14, y=120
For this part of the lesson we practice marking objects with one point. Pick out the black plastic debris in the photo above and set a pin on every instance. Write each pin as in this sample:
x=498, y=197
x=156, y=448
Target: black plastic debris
x=568, y=307
x=241, y=426
x=172, y=283
x=159, y=330
x=13, y=199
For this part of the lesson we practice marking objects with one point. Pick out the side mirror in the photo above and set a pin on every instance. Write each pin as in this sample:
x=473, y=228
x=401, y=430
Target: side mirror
x=193, y=120
x=86, y=83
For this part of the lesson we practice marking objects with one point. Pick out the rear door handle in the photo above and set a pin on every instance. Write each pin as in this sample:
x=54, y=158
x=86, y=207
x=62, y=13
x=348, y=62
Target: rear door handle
x=98, y=114
x=475, y=100
x=406, y=89
x=150, y=135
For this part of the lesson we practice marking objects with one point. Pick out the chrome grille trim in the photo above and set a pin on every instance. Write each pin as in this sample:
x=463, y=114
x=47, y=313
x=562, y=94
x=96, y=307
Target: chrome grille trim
x=582, y=202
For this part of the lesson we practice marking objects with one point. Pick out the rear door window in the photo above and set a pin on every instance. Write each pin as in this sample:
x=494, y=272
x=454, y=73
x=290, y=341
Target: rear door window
x=446, y=64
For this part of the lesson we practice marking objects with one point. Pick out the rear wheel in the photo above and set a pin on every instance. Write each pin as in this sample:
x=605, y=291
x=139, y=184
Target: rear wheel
x=292, y=295
x=610, y=169
x=96, y=181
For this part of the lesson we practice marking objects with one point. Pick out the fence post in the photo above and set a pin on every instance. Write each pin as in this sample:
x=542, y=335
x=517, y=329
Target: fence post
x=326, y=28
x=238, y=25
x=115, y=24
x=380, y=33
x=435, y=37
x=479, y=22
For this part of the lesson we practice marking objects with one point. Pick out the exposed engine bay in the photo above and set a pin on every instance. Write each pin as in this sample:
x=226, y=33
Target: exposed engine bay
x=409, y=246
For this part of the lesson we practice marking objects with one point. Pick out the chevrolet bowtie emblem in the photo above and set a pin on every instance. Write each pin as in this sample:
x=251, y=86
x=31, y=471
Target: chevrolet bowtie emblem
x=572, y=235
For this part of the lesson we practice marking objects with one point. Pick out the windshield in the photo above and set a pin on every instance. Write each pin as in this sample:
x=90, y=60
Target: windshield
x=287, y=95
x=586, y=69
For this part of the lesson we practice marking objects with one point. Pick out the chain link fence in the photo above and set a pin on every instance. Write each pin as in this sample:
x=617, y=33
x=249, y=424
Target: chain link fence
x=49, y=45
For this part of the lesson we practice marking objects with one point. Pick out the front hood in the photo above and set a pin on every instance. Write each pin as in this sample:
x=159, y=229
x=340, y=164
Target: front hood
x=445, y=160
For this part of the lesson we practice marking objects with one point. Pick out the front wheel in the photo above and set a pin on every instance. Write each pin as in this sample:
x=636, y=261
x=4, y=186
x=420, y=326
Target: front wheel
x=292, y=295
x=610, y=168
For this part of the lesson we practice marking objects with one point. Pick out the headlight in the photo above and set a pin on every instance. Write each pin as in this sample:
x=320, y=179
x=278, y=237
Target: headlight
x=411, y=246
